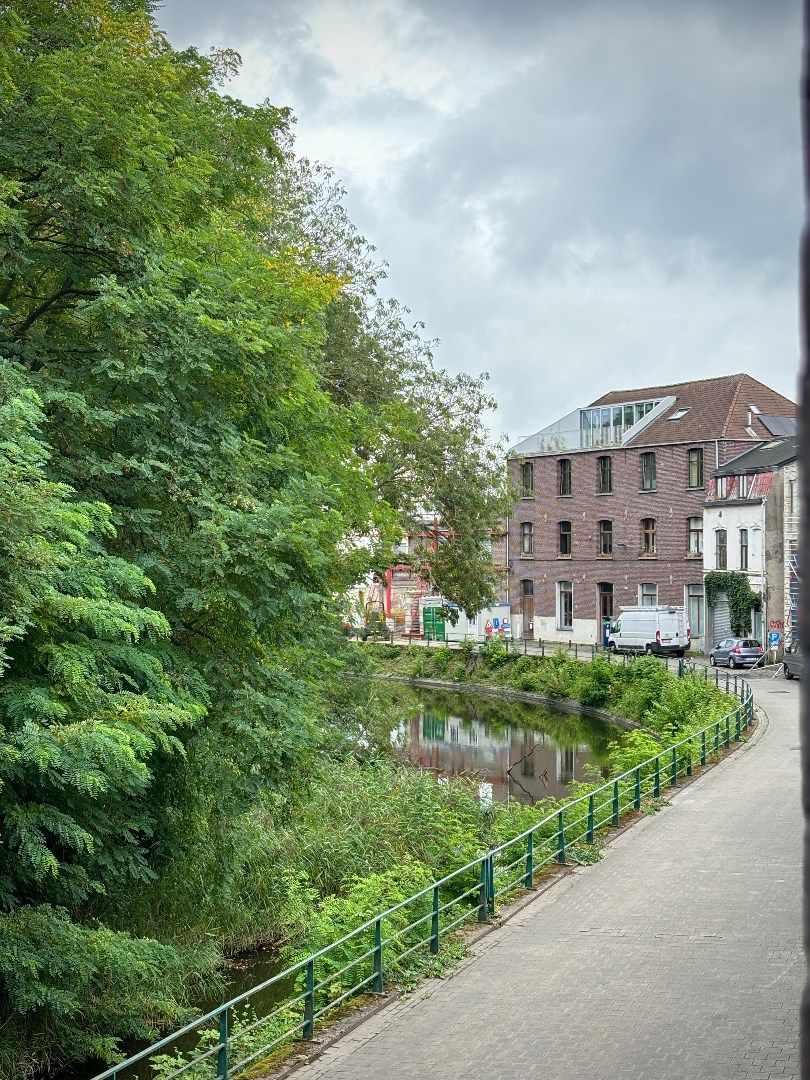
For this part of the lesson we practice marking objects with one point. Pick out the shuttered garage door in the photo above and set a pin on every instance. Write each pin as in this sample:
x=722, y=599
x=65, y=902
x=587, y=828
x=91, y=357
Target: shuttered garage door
x=721, y=619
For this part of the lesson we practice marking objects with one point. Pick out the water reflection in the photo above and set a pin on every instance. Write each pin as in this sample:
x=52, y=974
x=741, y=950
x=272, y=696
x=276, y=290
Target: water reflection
x=515, y=750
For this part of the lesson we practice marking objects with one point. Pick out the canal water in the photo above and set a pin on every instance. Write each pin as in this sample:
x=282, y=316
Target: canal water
x=509, y=748
x=514, y=750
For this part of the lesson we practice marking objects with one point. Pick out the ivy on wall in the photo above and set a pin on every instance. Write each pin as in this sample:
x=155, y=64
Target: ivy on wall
x=742, y=599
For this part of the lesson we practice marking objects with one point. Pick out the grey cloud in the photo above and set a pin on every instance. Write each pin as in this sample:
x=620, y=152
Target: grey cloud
x=664, y=134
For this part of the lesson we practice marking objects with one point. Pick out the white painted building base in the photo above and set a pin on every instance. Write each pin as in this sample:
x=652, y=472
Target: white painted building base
x=583, y=633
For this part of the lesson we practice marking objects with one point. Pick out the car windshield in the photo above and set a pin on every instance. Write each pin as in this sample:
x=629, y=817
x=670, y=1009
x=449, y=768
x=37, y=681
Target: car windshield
x=750, y=644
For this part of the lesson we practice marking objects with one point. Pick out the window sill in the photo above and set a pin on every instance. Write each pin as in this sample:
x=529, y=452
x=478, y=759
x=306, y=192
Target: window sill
x=604, y=555
x=564, y=557
x=699, y=487
x=604, y=493
x=647, y=491
x=647, y=555
x=694, y=556
x=523, y=497
x=565, y=629
x=523, y=555
x=564, y=496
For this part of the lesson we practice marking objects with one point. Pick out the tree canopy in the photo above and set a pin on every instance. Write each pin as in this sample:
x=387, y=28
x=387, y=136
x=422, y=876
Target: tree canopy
x=204, y=403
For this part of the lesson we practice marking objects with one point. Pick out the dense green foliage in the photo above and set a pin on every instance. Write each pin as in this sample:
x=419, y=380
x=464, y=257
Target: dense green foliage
x=742, y=599
x=203, y=405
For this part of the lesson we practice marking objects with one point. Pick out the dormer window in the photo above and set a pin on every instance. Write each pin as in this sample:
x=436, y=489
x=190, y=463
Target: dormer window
x=722, y=487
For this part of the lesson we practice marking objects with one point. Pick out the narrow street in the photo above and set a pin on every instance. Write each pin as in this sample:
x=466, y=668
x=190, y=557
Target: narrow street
x=677, y=955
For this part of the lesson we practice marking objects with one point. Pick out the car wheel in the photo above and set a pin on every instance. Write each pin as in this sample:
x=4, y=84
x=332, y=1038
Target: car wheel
x=732, y=663
x=712, y=660
x=788, y=674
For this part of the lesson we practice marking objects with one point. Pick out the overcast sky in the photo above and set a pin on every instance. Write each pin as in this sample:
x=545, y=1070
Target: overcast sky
x=574, y=195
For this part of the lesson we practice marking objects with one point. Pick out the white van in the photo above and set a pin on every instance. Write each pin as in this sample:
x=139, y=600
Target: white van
x=663, y=631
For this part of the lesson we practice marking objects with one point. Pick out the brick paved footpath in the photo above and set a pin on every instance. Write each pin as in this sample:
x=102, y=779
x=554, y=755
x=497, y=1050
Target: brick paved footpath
x=677, y=955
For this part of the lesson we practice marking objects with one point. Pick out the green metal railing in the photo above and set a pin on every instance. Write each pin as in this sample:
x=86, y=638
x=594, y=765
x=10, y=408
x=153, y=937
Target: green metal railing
x=362, y=961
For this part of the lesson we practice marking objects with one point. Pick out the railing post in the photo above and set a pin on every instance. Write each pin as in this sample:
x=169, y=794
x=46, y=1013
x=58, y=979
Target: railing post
x=615, y=802
x=434, y=922
x=716, y=678
x=222, y=1053
x=309, y=1002
x=377, y=984
x=657, y=778
x=717, y=737
x=589, y=835
x=689, y=759
x=637, y=793
x=674, y=778
x=727, y=679
x=528, y=877
x=491, y=883
x=680, y=669
x=542, y=648
x=482, y=891
x=576, y=651
x=560, y=837
x=735, y=684
x=728, y=730
x=737, y=723
x=703, y=747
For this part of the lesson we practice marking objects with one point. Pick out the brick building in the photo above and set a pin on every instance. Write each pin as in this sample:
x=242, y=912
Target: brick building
x=611, y=506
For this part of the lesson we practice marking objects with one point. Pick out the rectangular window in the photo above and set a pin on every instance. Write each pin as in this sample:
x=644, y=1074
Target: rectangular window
x=565, y=605
x=648, y=536
x=721, y=550
x=694, y=535
x=746, y=486
x=605, y=537
x=527, y=479
x=743, y=549
x=604, y=475
x=564, y=477
x=694, y=598
x=696, y=468
x=648, y=594
x=649, y=480
x=526, y=538
x=565, y=537
x=527, y=587
x=722, y=487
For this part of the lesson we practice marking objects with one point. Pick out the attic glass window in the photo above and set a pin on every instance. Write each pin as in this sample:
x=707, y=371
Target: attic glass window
x=678, y=414
x=606, y=425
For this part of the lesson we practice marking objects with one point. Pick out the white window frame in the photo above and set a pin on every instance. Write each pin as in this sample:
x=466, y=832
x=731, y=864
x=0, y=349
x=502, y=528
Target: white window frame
x=569, y=591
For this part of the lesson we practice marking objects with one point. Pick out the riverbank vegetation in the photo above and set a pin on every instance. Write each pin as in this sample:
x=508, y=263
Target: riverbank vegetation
x=642, y=691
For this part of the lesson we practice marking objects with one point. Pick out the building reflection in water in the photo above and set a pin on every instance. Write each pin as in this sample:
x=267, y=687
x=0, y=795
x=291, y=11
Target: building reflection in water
x=512, y=761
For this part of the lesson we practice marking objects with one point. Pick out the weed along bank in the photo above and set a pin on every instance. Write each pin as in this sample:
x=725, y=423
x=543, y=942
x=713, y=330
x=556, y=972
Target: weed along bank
x=394, y=883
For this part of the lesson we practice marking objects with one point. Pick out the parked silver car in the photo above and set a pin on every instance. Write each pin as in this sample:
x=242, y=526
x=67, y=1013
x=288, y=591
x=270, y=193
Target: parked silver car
x=793, y=662
x=737, y=652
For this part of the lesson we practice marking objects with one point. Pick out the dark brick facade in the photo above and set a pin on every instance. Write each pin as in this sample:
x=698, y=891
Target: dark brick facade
x=670, y=505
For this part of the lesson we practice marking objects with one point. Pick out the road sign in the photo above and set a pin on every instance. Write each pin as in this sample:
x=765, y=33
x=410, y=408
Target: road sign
x=488, y=627
x=773, y=639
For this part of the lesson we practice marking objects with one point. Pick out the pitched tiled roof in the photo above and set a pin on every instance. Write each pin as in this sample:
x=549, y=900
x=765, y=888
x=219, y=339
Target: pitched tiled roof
x=718, y=409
